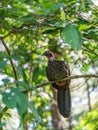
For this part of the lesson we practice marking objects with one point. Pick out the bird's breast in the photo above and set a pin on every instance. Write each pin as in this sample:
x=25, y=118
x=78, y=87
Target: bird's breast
x=55, y=71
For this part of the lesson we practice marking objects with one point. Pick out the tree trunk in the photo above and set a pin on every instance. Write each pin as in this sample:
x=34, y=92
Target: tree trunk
x=70, y=123
x=56, y=119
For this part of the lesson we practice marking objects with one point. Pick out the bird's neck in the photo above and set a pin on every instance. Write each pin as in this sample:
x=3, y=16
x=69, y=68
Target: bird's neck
x=51, y=59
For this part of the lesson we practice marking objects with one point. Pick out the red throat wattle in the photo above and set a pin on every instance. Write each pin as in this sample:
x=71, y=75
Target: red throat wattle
x=48, y=56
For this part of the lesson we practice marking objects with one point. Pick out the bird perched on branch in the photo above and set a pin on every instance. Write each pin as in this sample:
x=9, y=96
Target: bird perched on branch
x=58, y=70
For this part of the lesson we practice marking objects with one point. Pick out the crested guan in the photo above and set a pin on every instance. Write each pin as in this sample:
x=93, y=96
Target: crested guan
x=58, y=70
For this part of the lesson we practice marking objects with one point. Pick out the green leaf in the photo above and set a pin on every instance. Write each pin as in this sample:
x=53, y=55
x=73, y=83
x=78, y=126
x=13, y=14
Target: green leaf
x=22, y=104
x=20, y=9
x=72, y=36
x=22, y=73
x=50, y=31
x=15, y=98
x=5, y=81
x=1, y=125
x=90, y=1
x=2, y=64
x=85, y=67
x=15, y=57
x=27, y=18
x=10, y=99
x=34, y=111
x=50, y=7
x=24, y=84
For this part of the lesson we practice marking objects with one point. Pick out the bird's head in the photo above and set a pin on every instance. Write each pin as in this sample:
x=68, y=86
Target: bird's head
x=49, y=55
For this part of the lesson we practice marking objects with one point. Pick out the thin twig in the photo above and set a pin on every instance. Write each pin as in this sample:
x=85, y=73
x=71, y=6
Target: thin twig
x=78, y=87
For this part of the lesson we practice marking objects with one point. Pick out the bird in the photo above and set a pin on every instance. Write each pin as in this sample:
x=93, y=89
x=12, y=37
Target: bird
x=57, y=70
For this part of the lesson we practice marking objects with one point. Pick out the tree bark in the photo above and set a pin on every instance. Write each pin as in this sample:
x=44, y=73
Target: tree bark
x=56, y=119
x=70, y=123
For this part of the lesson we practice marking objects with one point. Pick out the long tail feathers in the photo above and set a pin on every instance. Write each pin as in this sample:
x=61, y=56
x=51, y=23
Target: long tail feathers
x=64, y=102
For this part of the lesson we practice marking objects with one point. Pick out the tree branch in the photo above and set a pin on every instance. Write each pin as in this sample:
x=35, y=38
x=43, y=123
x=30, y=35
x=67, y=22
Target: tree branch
x=14, y=70
x=11, y=62
x=67, y=78
x=2, y=37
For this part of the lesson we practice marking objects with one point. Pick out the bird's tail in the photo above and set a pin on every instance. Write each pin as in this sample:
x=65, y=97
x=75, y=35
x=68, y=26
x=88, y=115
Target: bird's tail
x=64, y=102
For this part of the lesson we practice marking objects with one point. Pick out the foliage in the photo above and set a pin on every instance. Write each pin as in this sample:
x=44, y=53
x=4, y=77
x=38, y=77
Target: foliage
x=89, y=121
x=14, y=98
x=27, y=29
x=67, y=34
